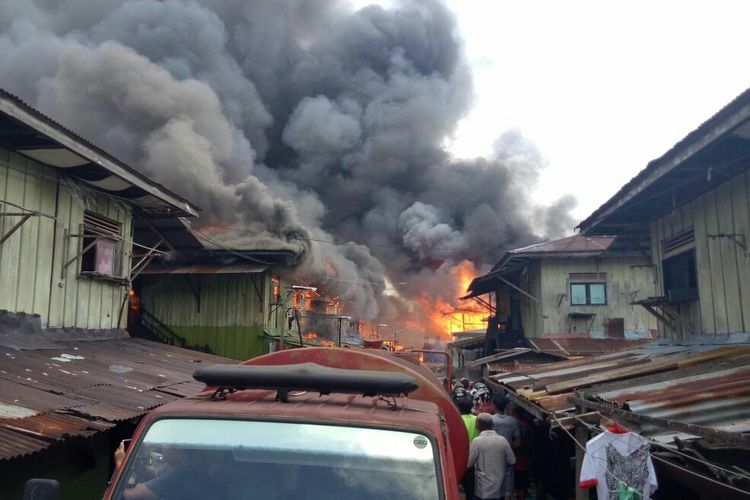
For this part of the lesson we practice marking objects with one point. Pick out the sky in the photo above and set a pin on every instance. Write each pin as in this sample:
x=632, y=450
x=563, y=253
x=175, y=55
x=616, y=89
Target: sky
x=601, y=88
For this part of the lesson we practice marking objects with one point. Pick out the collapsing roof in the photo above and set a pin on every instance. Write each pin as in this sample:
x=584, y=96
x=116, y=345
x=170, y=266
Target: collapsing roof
x=77, y=388
x=30, y=133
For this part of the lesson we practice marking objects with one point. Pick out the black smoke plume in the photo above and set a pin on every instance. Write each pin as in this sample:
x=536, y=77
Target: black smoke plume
x=299, y=124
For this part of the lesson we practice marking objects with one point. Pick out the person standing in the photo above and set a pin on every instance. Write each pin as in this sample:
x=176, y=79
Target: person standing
x=506, y=426
x=465, y=404
x=490, y=454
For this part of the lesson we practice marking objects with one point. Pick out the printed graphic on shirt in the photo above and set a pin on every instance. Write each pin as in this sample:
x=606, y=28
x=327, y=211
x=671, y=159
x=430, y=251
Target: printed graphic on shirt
x=631, y=469
x=611, y=457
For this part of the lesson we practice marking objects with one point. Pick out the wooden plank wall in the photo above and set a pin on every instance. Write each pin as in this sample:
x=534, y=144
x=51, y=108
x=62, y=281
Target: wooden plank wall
x=31, y=278
x=549, y=281
x=722, y=262
x=531, y=311
x=225, y=299
x=26, y=257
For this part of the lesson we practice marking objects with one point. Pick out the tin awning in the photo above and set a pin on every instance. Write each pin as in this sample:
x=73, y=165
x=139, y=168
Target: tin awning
x=206, y=269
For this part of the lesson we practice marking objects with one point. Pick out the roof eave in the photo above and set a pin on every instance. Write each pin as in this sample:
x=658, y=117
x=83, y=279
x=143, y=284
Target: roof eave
x=716, y=127
x=56, y=132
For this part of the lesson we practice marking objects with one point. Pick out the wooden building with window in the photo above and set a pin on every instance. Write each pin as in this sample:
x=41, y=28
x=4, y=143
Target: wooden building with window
x=575, y=285
x=690, y=211
x=70, y=215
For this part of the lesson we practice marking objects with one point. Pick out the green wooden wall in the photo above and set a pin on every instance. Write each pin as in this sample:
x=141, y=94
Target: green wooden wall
x=231, y=317
x=31, y=260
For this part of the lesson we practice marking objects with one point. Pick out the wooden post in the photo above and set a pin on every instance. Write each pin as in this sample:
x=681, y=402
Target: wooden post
x=582, y=436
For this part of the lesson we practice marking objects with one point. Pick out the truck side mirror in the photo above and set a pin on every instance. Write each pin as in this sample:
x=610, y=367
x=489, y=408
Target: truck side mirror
x=41, y=489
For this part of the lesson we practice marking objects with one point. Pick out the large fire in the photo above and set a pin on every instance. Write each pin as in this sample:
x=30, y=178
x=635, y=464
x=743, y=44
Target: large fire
x=315, y=339
x=445, y=318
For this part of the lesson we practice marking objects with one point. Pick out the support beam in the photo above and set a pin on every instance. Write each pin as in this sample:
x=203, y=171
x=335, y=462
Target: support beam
x=484, y=303
x=257, y=290
x=732, y=438
x=582, y=436
x=517, y=289
x=157, y=233
x=14, y=228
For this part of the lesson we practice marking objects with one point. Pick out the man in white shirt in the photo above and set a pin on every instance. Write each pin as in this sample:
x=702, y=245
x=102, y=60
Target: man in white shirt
x=489, y=454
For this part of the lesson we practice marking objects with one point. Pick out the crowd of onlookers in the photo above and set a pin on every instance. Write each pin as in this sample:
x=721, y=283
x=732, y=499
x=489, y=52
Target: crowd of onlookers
x=500, y=440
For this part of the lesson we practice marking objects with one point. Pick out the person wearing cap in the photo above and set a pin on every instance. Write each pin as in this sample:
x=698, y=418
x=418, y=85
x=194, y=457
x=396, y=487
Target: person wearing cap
x=490, y=454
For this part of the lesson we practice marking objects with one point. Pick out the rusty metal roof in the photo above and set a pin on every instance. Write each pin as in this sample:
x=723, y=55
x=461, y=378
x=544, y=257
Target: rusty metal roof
x=704, y=381
x=82, y=387
x=572, y=244
x=581, y=346
x=516, y=352
x=576, y=246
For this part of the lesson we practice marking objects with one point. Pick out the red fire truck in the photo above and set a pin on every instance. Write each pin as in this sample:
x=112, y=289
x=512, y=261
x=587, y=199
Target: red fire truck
x=315, y=423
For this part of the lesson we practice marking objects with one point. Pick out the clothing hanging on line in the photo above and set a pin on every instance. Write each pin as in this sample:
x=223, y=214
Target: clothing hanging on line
x=612, y=457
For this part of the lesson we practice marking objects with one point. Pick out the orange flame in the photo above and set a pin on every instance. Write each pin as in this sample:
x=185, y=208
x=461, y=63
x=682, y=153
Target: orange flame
x=445, y=318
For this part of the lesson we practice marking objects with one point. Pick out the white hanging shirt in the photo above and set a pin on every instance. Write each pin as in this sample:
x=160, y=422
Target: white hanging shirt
x=626, y=457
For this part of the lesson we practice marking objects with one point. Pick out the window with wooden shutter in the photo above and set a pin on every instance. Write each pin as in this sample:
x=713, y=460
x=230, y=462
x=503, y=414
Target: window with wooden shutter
x=102, y=246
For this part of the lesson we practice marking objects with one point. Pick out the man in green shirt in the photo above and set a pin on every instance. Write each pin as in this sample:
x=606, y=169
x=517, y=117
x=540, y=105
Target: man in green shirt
x=465, y=403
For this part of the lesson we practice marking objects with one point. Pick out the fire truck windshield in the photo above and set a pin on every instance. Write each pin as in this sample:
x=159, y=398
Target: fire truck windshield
x=233, y=459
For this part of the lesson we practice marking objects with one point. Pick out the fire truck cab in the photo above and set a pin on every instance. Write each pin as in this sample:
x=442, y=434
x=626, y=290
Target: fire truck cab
x=314, y=423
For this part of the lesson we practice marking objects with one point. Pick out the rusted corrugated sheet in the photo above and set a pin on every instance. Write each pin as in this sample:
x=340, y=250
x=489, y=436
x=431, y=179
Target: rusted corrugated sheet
x=14, y=444
x=717, y=398
x=572, y=346
x=575, y=243
x=84, y=387
x=54, y=426
x=705, y=381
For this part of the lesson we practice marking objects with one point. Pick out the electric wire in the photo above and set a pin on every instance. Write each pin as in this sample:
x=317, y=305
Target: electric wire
x=583, y=448
x=651, y=441
x=599, y=431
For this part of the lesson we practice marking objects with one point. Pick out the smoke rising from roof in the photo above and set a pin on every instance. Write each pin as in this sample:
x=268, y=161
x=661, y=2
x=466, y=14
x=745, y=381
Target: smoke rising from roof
x=292, y=123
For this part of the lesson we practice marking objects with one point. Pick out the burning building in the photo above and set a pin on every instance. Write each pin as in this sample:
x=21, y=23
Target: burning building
x=308, y=126
x=320, y=320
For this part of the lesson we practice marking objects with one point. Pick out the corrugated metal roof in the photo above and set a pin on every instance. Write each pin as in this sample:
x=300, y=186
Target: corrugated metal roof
x=582, y=346
x=205, y=269
x=28, y=435
x=51, y=139
x=576, y=246
x=516, y=352
x=705, y=382
x=85, y=386
x=469, y=342
x=571, y=244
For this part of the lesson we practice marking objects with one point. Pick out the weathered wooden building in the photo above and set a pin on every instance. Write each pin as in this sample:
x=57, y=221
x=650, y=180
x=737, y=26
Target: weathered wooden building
x=77, y=225
x=67, y=212
x=690, y=211
x=232, y=303
x=574, y=285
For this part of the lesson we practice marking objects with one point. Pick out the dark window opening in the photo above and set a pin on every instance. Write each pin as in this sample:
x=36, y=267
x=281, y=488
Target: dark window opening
x=102, y=248
x=588, y=294
x=681, y=277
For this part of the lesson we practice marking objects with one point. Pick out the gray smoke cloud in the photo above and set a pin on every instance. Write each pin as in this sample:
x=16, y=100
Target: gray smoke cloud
x=297, y=124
